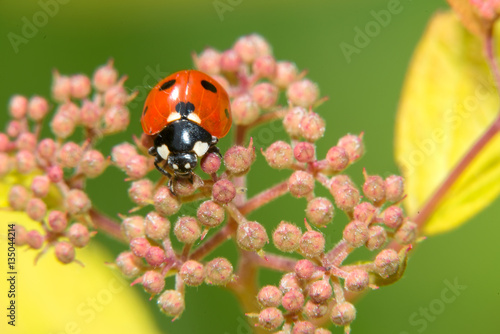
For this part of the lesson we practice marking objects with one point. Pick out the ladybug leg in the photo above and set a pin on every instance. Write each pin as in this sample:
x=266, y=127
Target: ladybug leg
x=152, y=151
x=158, y=159
x=171, y=186
x=213, y=148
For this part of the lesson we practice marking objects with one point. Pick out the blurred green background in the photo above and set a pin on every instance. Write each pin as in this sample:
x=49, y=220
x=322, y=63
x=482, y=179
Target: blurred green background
x=159, y=36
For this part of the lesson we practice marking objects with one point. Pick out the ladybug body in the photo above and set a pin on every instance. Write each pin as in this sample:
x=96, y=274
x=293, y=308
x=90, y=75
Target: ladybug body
x=188, y=111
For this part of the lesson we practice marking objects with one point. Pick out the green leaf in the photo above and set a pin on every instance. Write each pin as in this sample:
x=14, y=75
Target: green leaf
x=447, y=102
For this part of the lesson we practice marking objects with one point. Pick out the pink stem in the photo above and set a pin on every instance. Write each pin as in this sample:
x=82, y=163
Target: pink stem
x=264, y=197
x=218, y=238
x=273, y=261
x=106, y=224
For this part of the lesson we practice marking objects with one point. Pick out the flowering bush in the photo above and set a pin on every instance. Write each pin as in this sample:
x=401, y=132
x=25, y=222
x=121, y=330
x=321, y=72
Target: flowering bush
x=174, y=235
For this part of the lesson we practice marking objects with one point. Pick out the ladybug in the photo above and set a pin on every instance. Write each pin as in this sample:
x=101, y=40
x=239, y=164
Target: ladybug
x=188, y=111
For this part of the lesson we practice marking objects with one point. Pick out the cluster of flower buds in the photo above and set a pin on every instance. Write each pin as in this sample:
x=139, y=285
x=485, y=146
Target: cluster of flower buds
x=213, y=207
x=47, y=175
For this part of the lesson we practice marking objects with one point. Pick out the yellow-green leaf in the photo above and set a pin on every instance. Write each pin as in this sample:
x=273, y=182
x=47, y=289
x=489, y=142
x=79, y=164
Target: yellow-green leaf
x=448, y=101
x=54, y=298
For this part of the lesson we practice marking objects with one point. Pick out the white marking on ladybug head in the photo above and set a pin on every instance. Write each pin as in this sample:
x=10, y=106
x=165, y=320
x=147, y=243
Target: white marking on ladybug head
x=173, y=117
x=200, y=148
x=163, y=151
x=194, y=118
x=187, y=166
x=174, y=166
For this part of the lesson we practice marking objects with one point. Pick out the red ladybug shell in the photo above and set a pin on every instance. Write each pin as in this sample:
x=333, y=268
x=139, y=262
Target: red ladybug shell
x=209, y=98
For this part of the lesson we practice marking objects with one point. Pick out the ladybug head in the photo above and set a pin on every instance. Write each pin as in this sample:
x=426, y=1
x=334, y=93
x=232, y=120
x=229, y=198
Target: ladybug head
x=182, y=163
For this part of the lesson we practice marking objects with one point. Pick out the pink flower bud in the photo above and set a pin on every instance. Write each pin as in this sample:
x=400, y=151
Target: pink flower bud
x=4, y=142
x=356, y=233
x=62, y=125
x=80, y=86
x=210, y=214
x=285, y=73
x=406, y=233
x=303, y=327
x=219, y=271
x=337, y=158
x=393, y=216
x=55, y=174
x=386, y=263
x=70, y=110
x=312, y=244
x=18, y=106
x=25, y=162
x=141, y=192
x=365, y=212
x=209, y=61
x=47, y=149
x=304, y=152
x=287, y=237
x=18, y=197
x=346, y=197
x=38, y=108
x=293, y=301
x=116, y=95
x=36, y=209
x=264, y=67
x=377, y=237
x=279, y=155
x=271, y=318
x=139, y=246
x=230, y=61
x=343, y=314
x=34, y=239
x=246, y=49
x=65, y=252
x=244, y=110
x=78, y=235
x=187, y=229
x=292, y=120
x=165, y=203
x=57, y=221
x=210, y=163
x=21, y=235
x=314, y=311
x=6, y=164
x=129, y=264
x=26, y=141
x=90, y=114
x=61, y=87
x=251, y=236
x=223, y=191
x=269, y=296
x=300, y=184
x=265, y=95
x=93, y=163
x=289, y=282
x=153, y=282
x=137, y=167
x=304, y=269
x=155, y=256
x=69, y=155
x=374, y=189
x=122, y=153
x=238, y=159
x=319, y=211
x=394, y=188
x=357, y=280
x=303, y=93
x=40, y=185
x=77, y=202
x=133, y=227
x=171, y=303
x=192, y=273
x=116, y=119
x=353, y=145
x=105, y=77
x=312, y=127
x=157, y=227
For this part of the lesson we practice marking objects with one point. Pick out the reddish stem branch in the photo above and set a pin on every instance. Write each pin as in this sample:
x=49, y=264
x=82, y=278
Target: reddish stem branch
x=273, y=261
x=106, y=224
x=264, y=197
x=222, y=235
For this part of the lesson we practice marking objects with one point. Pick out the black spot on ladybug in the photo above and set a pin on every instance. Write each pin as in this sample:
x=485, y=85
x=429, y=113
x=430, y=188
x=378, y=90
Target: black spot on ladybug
x=145, y=111
x=167, y=84
x=226, y=112
x=184, y=108
x=208, y=86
